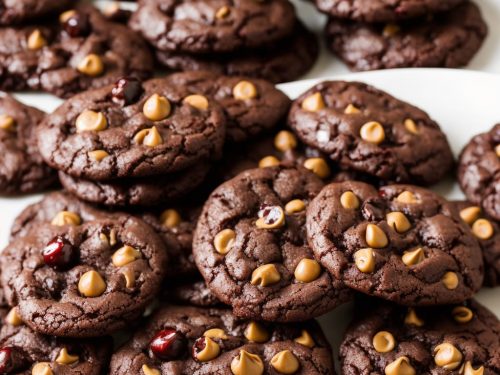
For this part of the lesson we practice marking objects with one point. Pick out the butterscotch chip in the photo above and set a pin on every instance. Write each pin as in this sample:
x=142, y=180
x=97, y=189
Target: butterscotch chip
x=90, y=121
x=285, y=362
x=412, y=318
x=383, y=342
x=36, y=40
x=224, y=240
x=210, y=350
x=398, y=221
x=13, y=318
x=400, y=366
x=307, y=270
x=247, y=364
x=483, y=229
x=7, y=122
x=265, y=275
x=285, y=141
x=156, y=108
x=365, y=260
x=91, y=65
x=305, y=339
x=469, y=370
x=407, y=197
x=65, y=358
x=271, y=217
x=462, y=314
x=497, y=150
x=391, y=29
x=256, y=332
x=66, y=218
x=170, y=218
x=125, y=255
x=450, y=280
x=64, y=16
x=447, y=356
x=375, y=237
x=215, y=333
x=313, y=103
x=148, y=137
x=294, y=206
x=349, y=200
x=197, y=101
x=98, y=155
x=318, y=166
x=268, y=161
x=411, y=126
x=42, y=368
x=91, y=284
x=372, y=132
x=413, y=257
x=351, y=110
x=149, y=370
x=245, y=90
x=129, y=276
x=222, y=12
x=470, y=214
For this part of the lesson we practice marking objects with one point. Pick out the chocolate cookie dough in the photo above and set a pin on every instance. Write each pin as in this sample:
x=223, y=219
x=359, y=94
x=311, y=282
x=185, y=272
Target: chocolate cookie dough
x=479, y=171
x=22, y=169
x=77, y=278
x=449, y=39
x=369, y=131
x=189, y=340
x=132, y=129
x=81, y=50
x=16, y=11
x=250, y=246
x=282, y=62
x=458, y=339
x=401, y=243
x=212, y=25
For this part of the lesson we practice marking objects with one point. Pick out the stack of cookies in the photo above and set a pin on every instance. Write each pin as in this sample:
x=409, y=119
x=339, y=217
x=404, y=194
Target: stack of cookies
x=381, y=34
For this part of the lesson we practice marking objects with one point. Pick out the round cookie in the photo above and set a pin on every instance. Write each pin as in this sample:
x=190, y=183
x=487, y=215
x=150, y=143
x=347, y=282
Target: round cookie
x=448, y=40
x=81, y=50
x=487, y=232
x=212, y=25
x=367, y=130
x=131, y=130
x=252, y=106
x=22, y=169
x=282, y=62
x=401, y=243
x=189, y=292
x=17, y=11
x=463, y=339
x=83, y=279
x=479, y=171
x=375, y=11
x=250, y=246
x=189, y=340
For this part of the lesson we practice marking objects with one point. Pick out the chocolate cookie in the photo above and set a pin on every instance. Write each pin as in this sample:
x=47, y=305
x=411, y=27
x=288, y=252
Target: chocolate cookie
x=12, y=12
x=212, y=25
x=189, y=292
x=80, y=51
x=282, y=62
x=487, y=231
x=189, y=340
x=132, y=130
x=83, y=279
x=401, y=243
x=250, y=246
x=463, y=339
x=479, y=171
x=373, y=11
x=22, y=169
x=369, y=131
x=448, y=40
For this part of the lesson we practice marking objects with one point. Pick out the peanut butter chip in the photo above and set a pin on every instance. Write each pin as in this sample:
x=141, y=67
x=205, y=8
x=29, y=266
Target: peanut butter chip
x=450, y=280
x=411, y=258
x=407, y=197
x=447, y=356
x=13, y=318
x=224, y=240
x=148, y=137
x=483, y=229
x=91, y=65
x=255, y=332
x=390, y=29
x=7, y=123
x=98, y=155
x=197, y=101
x=285, y=141
x=90, y=121
x=400, y=366
x=497, y=150
x=462, y=314
x=351, y=110
x=247, y=364
x=470, y=214
x=318, y=166
x=305, y=339
x=376, y=237
x=36, y=40
x=209, y=352
x=170, y=218
x=156, y=108
x=244, y=90
x=91, y=284
x=383, y=342
x=265, y=275
x=307, y=270
x=66, y=218
x=349, y=200
x=411, y=126
x=313, y=103
x=129, y=276
x=150, y=371
x=294, y=206
x=268, y=161
x=365, y=260
x=63, y=17
x=271, y=217
x=372, y=132
x=222, y=12
x=412, y=318
x=42, y=368
x=285, y=362
x=398, y=221
x=469, y=370
x=215, y=333
x=64, y=358
x=125, y=255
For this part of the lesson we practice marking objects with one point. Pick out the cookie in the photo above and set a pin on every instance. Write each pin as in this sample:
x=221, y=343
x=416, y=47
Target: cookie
x=250, y=246
x=189, y=292
x=447, y=40
x=458, y=339
x=487, y=232
x=189, y=340
x=252, y=106
x=132, y=129
x=285, y=61
x=12, y=12
x=81, y=50
x=369, y=131
x=75, y=278
x=212, y=25
x=374, y=11
x=143, y=192
x=479, y=171
x=22, y=169
x=401, y=243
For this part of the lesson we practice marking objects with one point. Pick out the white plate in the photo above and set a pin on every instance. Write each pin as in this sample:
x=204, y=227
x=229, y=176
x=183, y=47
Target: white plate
x=464, y=103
